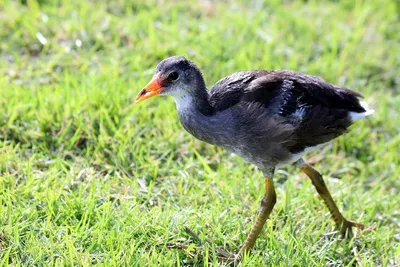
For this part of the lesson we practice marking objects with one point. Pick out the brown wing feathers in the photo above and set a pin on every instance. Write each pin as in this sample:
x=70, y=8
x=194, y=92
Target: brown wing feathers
x=291, y=89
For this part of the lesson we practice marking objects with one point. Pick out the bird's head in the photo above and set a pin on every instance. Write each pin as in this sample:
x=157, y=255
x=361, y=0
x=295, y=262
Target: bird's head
x=174, y=76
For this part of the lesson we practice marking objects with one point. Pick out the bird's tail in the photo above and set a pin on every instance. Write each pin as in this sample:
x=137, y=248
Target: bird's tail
x=355, y=116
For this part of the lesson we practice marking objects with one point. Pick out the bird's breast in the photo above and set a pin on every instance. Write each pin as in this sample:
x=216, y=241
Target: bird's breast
x=216, y=129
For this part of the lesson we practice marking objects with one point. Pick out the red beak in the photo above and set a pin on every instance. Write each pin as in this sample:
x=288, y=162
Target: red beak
x=153, y=88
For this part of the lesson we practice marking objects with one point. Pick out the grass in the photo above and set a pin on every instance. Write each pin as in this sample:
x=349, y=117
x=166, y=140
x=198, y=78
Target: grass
x=89, y=178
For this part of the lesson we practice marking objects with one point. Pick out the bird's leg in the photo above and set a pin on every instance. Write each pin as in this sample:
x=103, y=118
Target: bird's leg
x=266, y=206
x=344, y=225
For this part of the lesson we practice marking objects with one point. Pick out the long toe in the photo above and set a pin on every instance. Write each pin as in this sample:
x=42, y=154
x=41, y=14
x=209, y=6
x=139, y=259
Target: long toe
x=224, y=254
x=228, y=259
x=347, y=228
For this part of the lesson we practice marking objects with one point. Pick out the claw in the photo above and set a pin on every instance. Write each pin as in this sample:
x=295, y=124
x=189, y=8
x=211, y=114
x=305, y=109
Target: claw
x=347, y=230
x=222, y=255
x=231, y=259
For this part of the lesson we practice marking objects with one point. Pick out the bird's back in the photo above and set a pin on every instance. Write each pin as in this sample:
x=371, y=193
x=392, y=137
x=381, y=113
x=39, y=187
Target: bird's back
x=281, y=113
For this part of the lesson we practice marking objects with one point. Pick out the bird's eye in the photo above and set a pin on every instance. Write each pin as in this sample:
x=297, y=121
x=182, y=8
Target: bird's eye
x=173, y=76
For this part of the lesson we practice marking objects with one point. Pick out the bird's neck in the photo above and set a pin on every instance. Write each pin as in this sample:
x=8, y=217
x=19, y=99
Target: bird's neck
x=197, y=116
x=195, y=102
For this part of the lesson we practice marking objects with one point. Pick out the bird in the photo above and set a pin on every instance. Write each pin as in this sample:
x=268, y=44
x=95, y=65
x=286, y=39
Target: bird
x=270, y=118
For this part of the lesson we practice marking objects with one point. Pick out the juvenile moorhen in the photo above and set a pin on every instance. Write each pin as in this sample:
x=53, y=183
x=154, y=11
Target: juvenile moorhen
x=269, y=118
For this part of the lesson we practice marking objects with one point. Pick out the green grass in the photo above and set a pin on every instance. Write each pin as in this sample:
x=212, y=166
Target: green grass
x=87, y=177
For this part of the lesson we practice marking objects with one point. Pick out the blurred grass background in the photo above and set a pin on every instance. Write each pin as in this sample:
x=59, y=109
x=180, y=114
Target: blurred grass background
x=89, y=178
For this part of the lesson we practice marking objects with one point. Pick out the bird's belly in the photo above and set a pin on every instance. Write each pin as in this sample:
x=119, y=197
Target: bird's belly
x=262, y=157
x=295, y=157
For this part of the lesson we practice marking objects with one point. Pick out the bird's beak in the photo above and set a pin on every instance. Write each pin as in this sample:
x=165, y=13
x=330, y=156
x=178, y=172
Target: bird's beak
x=153, y=88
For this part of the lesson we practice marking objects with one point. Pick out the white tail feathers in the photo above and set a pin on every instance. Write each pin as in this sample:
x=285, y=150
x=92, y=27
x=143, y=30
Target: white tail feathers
x=355, y=116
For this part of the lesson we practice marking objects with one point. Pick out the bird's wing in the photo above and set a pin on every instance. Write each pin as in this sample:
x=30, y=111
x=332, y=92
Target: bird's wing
x=283, y=91
x=229, y=91
x=317, y=110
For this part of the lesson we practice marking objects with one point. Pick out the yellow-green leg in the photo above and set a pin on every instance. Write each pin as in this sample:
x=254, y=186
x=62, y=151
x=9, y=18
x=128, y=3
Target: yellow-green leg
x=345, y=226
x=266, y=206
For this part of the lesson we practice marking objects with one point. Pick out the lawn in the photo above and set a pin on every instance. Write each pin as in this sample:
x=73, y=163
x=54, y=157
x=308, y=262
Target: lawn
x=87, y=177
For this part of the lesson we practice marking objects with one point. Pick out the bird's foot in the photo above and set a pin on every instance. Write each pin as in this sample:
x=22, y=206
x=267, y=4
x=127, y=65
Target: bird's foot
x=222, y=255
x=347, y=228
x=226, y=257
